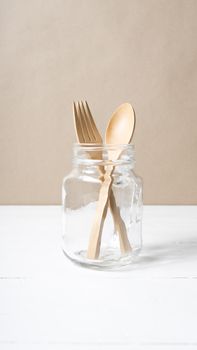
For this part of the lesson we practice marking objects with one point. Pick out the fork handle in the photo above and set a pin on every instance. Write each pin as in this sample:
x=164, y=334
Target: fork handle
x=101, y=212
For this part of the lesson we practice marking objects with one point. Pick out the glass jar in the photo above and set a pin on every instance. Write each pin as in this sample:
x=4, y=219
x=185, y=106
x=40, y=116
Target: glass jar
x=120, y=228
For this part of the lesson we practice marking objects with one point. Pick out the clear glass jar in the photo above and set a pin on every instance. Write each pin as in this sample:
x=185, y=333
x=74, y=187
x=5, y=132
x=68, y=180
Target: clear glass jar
x=120, y=239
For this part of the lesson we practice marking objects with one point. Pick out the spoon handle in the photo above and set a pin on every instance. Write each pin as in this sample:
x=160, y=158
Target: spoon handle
x=106, y=196
x=119, y=224
x=101, y=212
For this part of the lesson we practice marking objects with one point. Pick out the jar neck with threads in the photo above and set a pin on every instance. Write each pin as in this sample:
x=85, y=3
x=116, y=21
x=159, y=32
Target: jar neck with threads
x=103, y=155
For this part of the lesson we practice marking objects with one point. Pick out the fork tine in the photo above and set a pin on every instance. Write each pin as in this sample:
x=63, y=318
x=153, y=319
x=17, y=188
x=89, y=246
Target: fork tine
x=87, y=122
x=77, y=124
x=92, y=124
x=83, y=123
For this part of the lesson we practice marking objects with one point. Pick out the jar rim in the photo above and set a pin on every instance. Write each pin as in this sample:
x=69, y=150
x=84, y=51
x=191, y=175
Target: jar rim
x=106, y=146
x=100, y=154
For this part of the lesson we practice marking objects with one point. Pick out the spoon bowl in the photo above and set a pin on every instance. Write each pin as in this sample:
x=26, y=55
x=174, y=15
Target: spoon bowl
x=120, y=128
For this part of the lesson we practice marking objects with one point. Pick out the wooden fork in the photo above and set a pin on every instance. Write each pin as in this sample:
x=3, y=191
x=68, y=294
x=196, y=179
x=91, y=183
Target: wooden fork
x=87, y=132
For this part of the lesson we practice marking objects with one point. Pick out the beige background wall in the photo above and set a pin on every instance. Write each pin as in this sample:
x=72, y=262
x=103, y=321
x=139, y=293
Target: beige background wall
x=106, y=51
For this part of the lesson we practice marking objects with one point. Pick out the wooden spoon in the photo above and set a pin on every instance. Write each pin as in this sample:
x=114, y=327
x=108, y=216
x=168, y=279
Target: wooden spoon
x=119, y=131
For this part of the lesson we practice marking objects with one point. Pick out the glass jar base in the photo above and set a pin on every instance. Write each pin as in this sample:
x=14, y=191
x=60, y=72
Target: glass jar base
x=110, y=259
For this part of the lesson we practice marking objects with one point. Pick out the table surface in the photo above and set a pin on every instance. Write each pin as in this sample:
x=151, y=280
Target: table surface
x=47, y=302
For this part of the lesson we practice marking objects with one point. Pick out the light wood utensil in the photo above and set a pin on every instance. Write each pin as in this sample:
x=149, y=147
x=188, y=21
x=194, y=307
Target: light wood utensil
x=119, y=131
x=87, y=132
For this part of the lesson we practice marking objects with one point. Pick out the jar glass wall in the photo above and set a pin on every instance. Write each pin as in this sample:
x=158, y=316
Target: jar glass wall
x=121, y=237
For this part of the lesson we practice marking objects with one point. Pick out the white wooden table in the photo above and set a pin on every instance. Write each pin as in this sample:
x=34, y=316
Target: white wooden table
x=46, y=302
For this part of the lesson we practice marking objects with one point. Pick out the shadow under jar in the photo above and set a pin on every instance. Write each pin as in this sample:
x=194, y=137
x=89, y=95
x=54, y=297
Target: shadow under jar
x=80, y=194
